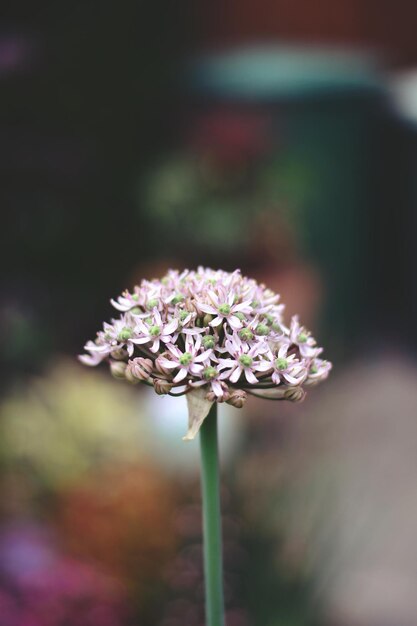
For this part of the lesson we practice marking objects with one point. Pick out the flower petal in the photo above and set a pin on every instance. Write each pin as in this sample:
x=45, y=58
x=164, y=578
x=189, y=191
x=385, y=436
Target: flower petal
x=235, y=375
x=198, y=409
x=181, y=375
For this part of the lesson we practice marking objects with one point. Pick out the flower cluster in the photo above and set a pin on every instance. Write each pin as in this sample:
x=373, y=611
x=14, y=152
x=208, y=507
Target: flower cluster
x=208, y=329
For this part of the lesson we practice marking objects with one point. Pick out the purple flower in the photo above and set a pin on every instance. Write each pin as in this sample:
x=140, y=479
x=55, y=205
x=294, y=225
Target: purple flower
x=286, y=368
x=188, y=361
x=210, y=331
x=154, y=331
x=223, y=306
x=243, y=360
x=302, y=338
x=213, y=378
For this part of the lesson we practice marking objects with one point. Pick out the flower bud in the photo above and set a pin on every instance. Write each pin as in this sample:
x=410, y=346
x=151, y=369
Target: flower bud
x=237, y=398
x=119, y=354
x=211, y=396
x=295, y=394
x=208, y=341
x=262, y=330
x=159, y=367
x=161, y=386
x=118, y=369
x=139, y=369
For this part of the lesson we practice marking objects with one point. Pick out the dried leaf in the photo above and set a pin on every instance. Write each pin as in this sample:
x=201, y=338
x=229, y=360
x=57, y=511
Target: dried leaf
x=198, y=409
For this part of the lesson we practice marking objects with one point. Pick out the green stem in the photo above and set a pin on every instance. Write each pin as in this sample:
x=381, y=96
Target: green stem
x=212, y=539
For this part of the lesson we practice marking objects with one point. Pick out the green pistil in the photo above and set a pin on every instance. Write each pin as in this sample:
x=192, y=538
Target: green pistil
x=152, y=303
x=208, y=342
x=125, y=334
x=240, y=316
x=246, y=334
x=178, y=298
x=276, y=327
x=281, y=364
x=183, y=315
x=246, y=360
x=254, y=304
x=269, y=318
x=302, y=338
x=135, y=297
x=224, y=309
x=186, y=358
x=209, y=373
x=313, y=369
x=154, y=331
x=136, y=310
x=262, y=329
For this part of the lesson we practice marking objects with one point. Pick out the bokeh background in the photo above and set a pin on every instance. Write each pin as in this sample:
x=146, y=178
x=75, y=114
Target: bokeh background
x=277, y=137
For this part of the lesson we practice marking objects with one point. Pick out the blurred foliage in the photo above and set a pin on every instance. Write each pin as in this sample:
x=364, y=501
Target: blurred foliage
x=63, y=425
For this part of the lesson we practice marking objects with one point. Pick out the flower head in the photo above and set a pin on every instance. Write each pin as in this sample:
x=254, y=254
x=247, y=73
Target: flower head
x=209, y=331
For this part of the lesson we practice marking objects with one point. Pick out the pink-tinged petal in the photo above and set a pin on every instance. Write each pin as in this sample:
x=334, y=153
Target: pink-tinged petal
x=230, y=298
x=198, y=383
x=157, y=317
x=196, y=369
x=291, y=379
x=226, y=363
x=276, y=378
x=217, y=388
x=170, y=365
x=139, y=340
x=141, y=328
x=93, y=347
x=214, y=298
x=203, y=356
x=235, y=375
x=119, y=306
x=130, y=349
x=155, y=346
x=170, y=327
x=235, y=322
x=181, y=375
x=197, y=344
x=189, y=344
x=192, y=331
x=176, y=352
x=224, y=375
x=282, y=352
x=242, y=306
x=250, y=377
x=206, y=308
x=168, y=339
x=262, y=366
x=216, y=322
x=90, y=360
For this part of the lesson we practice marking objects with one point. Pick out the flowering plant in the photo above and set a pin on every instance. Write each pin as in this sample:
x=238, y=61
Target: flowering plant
x=215, y=331
x=214, y=336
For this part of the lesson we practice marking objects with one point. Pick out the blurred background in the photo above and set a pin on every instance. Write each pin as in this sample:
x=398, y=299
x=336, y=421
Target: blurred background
x=277, y=137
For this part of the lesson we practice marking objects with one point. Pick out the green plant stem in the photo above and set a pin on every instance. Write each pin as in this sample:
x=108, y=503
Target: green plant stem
x=212, y=538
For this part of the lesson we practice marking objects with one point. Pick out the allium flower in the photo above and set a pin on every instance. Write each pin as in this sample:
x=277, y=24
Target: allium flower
x=208, y=334
x=187, y=362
